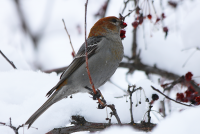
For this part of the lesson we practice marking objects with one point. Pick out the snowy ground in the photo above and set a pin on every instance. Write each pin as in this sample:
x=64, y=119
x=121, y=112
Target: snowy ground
x=23, y=91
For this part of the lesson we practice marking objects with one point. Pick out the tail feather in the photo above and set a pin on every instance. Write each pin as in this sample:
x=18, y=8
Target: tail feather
x=40, y=111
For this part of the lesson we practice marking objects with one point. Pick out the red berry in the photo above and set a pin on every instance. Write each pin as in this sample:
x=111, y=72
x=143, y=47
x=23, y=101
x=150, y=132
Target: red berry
x=191, y=89
x=197, y=99
x=137, y=10
x=179, y=96
x=158, y=19
x=124, y=24
x=188, y=76
x=149, y=16
x=188, y=93
x=122, y=33
x=163, y=15
x=185, y=100
x=135, y=24
x=165, y=29
x=73, y=54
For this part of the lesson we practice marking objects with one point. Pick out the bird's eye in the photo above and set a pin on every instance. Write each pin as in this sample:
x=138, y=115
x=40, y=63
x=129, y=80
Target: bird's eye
x=114, y=20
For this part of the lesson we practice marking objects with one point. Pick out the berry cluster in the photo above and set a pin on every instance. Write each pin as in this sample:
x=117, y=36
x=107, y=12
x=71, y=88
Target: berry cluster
x=190, y=95
x=140, y=17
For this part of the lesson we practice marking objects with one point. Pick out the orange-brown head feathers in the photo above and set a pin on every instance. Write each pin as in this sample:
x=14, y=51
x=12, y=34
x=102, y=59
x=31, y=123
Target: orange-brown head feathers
x=106, y=25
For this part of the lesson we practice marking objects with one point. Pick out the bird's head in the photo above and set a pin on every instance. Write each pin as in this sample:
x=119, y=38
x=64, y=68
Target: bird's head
x=106, y=26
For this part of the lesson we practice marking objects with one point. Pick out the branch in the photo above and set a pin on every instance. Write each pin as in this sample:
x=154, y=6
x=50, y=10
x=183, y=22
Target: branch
x=69, y=37
x=82, y=125
x=148, y=69
x=11, y=63
x=170, y=98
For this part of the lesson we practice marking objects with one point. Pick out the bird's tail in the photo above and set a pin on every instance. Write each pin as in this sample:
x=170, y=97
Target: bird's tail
x=41, y=110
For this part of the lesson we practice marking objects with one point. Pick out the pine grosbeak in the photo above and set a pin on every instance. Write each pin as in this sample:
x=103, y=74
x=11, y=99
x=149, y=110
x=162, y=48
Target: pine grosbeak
x=105, y=52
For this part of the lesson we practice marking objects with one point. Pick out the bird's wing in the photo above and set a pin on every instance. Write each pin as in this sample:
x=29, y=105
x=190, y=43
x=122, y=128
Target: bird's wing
x=92, y=48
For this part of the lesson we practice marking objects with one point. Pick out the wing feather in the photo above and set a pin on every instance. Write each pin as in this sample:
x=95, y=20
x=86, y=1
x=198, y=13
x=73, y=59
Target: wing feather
x=79, y=59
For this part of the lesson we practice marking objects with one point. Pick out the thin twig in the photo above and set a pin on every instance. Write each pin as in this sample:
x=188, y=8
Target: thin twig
x=117, y=86
x=170, y=98
x=149, y=117
x=163, y=108
x=154, y=8
x=114, y=112
x=12, y=127
x=145, y=42
x=69, y=37
x=131, y=103
x=125, y=4
x=189, y=58
x=169, y=86
x=86, y=54
x=123, y=18
x=11, y=63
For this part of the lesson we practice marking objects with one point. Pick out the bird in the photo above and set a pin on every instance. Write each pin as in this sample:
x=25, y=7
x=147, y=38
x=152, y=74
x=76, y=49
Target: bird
x=105, y=52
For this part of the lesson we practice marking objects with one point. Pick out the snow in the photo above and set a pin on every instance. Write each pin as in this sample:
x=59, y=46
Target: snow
x=23, y=90
x=27, y=93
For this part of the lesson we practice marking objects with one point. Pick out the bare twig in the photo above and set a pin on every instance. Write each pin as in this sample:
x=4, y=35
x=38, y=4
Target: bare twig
x=154, y=7
x=123, y=17
x=117, y=86
x=102, y=11
x=125, y=4
x=69, y=37
x=114, y=112
x=189, y=57
x=170, y=98
x=11, y=63
x=12, y=127
x=86, y=54
x=149, y=117
x=131, y=103
x=163, y=108
x=172, y=84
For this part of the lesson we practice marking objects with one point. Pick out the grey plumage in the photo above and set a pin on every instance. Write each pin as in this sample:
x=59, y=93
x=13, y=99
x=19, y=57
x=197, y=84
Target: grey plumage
x=104, y=55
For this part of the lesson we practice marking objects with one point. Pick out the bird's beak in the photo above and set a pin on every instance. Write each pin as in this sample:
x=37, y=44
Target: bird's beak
x=123, y=25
